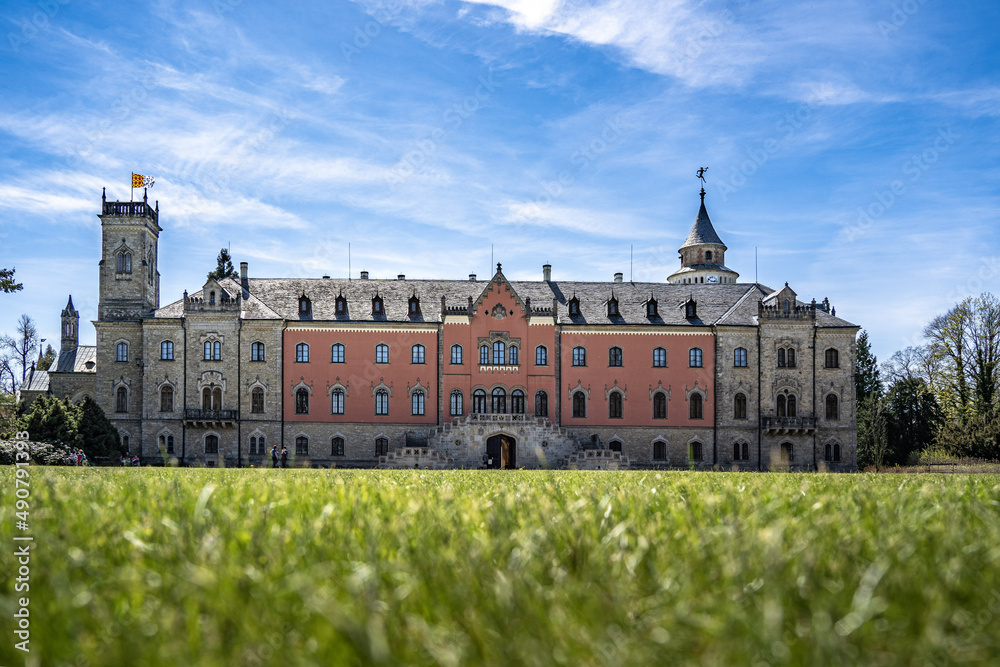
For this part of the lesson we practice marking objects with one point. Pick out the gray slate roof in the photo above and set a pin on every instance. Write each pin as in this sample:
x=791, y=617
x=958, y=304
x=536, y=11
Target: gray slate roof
x=702, y=231
x=37, y=381
x=278, y=298
x=75, y=361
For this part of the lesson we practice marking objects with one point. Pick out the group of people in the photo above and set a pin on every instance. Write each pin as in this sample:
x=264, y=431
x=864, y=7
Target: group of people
x=274, y=457
x=81, y=458
x=134, y=461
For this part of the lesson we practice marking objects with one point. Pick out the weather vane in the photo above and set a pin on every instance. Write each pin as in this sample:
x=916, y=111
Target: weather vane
x=701, y=175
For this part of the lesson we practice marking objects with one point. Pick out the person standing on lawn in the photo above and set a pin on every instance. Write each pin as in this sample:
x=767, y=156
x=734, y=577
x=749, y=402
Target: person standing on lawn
x=284, y=457
x=274, y=456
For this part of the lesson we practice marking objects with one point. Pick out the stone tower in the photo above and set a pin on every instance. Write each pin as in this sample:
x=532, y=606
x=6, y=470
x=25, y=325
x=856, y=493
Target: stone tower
x=70, y=327
x=703, y=254
x=129, y=292
x=130, y=283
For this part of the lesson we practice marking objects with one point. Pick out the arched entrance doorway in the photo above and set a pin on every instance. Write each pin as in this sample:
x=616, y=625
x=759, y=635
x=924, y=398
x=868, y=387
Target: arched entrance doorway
x=501, y=452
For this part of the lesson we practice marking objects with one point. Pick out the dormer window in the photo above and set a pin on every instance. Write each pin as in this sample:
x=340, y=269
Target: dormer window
x=378, y=308
x=651, y=308
x=341, y=305
x=690, y=309
x=304, y=305
x=613, y=307
x=414, y=306
x=574, y=307
x=211, y=298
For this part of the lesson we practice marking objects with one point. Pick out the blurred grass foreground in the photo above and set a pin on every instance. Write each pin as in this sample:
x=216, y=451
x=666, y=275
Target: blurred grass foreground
x=142, y=566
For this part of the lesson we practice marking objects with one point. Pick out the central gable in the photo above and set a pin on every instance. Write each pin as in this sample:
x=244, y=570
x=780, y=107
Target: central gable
x=501, y=287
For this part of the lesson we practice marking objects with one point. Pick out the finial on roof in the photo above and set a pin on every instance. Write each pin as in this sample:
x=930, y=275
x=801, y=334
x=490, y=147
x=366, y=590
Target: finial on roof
x=701, y=175
x=104, y=194
x=498, y=267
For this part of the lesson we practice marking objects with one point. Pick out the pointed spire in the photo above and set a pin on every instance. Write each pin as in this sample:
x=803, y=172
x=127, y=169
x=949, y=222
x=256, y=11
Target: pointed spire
x=702, y=231
x=69, y=305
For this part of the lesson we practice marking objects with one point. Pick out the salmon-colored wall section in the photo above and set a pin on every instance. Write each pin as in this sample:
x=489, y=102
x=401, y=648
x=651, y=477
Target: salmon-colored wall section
x=525, y=375
x=360, y=374
x=637, y=377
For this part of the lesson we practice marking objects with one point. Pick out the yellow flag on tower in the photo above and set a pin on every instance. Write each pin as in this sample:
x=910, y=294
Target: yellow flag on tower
x=138, y=181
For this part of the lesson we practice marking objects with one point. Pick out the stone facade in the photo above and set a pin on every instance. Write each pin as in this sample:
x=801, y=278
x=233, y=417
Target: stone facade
x=442, y=373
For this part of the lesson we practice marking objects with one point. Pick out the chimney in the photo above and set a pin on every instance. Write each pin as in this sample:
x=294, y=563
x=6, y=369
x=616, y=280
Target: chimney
x=619, y=276
x=364, y=275
x=472, y=277
x=244, y=281
x=326, y=277
x=547, y=272
x=243, y=271
x=401, y=277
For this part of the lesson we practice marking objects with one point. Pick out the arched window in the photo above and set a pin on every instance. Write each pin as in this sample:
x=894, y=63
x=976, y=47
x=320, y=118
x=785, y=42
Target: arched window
x=781, y=357
x=417, y=404
x=128, y=262
x=484, y=355
x=695, y=357
x=832, y=407
x=836, y=452
x=337, y=353
x=479, y=401
x=381, y=402
x=780, y=406
x=121, y=352
x=302, y=353
x=257, y=400
x=414, y=306
x=340, y=307
x=456, y=354
x=253, y=444
x=696, y=408
x=659, y=451
x=211, y=444
x=517, y=402
x=337, y=402
x=456, y=407
x=832, y=358
x=579, y=356
x=499, y=353
x=304, y=305
x=167, y=399
x=499, y=401
x=659, y=357
x=615, y=405
x=167, y=350
x=740, y=406
x=579, y=404
x=615, y=445
x=828, y=452
x=302, y=401
x=791, y=357
x=336, y=446
x=121, y=263
x=381, y=446
x=257, y=351
x=541, y=404
x=615, y=356
x=417, y=353
x=170, y=444
x=261, y=445
x=513, y=355
x=740, y=357
x=302, y=445
x=381, y=353
x=791, y=406
x=217, y=351
x=695, y=451
x=207, y=356
x=659, y=405
x=125, y=442
x=121, y=400
x=541, y=356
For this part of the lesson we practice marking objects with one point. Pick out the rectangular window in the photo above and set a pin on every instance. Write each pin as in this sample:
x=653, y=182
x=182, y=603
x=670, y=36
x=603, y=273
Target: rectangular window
x=541, y=356
x=740, y=357
x=456, y=354
x=121, y=352
x=695, y=358
x=418, y=353
x=337, y=354
x=579, y=356
x=167, y=350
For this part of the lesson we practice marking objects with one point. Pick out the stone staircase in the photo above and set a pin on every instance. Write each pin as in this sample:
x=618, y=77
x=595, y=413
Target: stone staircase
x=415, y=457
x=461, y=442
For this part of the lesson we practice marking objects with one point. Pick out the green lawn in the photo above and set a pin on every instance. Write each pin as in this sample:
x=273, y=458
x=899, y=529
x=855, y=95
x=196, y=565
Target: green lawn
x=299, y=567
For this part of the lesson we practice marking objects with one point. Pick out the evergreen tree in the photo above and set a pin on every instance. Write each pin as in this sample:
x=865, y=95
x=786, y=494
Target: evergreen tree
x=867, y=379
x=7, y=283
x=10, y=421
x=54, y=421
x=46, y=360
x=224, y=268
x=913, y=418
x=99, y=437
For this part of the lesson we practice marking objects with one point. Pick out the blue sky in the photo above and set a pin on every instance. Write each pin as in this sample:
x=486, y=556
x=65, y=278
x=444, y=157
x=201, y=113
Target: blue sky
x=853, y=144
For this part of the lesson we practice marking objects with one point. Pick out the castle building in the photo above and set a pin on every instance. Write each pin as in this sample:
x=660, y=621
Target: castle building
x=700, y=371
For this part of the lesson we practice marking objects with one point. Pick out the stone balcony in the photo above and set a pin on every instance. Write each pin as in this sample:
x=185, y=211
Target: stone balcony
x=788, y=425
x=207, y=418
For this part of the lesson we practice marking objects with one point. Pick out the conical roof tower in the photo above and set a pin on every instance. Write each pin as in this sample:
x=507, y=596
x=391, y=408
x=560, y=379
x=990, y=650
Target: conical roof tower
x=703, y=254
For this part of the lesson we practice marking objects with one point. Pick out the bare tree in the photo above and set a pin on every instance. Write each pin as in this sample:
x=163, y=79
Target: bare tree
x=948, y=344
x=22, y=345
x=983, y=330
